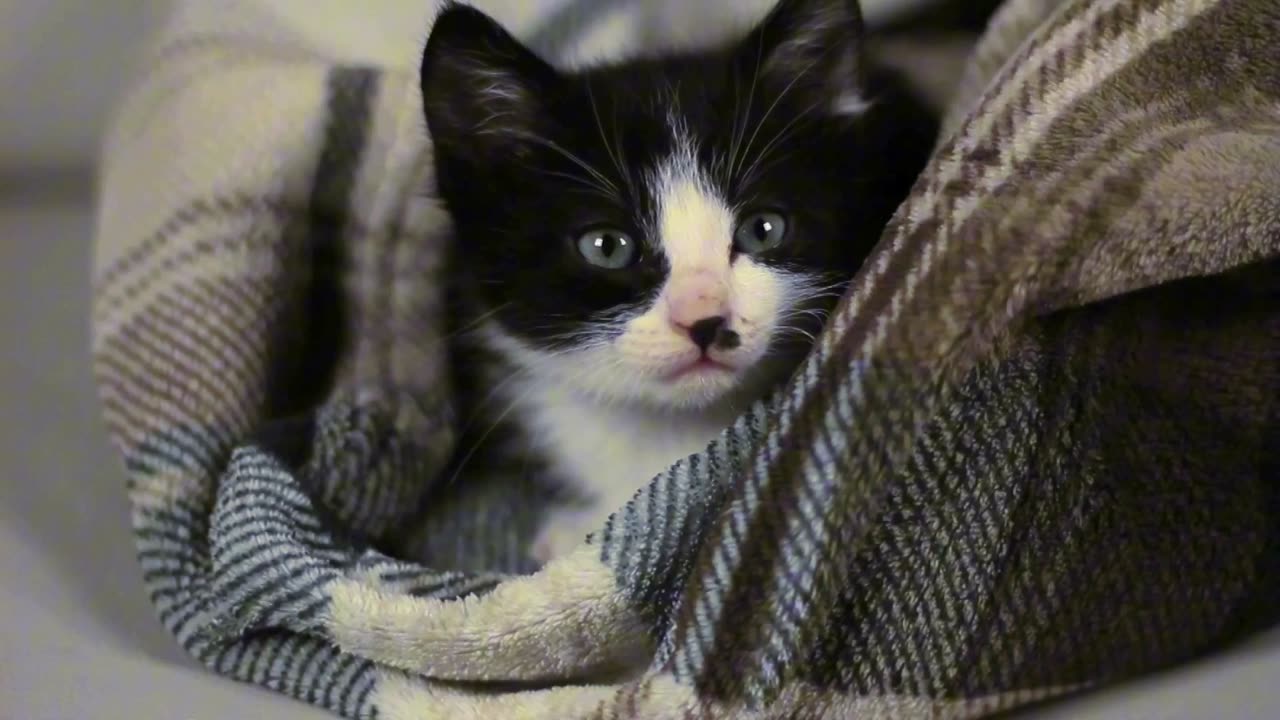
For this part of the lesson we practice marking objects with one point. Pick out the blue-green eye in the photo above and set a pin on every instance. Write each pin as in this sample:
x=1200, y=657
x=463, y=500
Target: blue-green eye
x=607, y=248
x=759, y=232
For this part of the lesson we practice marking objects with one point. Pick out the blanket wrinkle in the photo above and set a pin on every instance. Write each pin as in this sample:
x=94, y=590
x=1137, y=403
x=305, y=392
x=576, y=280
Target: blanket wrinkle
x=1033, y=452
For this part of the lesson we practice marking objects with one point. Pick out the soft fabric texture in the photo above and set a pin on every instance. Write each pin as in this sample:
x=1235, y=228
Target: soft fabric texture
x=1035, y=451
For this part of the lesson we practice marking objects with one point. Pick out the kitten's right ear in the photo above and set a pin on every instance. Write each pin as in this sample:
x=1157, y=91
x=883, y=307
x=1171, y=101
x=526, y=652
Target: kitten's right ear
x=814, y=48
x=483, y=92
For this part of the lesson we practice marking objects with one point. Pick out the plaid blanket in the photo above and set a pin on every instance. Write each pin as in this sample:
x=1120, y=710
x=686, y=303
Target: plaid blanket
x=1034, y=451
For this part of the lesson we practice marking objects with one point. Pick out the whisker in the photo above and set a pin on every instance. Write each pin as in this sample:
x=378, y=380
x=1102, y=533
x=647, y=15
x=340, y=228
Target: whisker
x=762, y=164
x=462, y=464
x=595, y=112
x=832, y=295
x=784, y=329
x=476, y=322
x=478, y=410
x=775, y=102
x=592, y=186
x=780, y=137
x=751, y=94
x=570, y=156
x=820, y=320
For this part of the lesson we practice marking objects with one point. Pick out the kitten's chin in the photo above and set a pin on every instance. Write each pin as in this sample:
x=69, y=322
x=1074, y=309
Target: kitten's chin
x=695, y=388
x=701, y=387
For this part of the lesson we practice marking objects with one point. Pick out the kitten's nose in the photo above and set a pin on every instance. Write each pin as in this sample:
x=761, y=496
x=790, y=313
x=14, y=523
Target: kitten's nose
x=694, y=296
x=711, y=330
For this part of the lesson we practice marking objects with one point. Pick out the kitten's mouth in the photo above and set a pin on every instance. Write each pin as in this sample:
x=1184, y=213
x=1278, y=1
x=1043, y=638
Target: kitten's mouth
x=702, y=366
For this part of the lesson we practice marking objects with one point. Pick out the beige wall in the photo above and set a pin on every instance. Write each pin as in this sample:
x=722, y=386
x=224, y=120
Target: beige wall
x=63, y=61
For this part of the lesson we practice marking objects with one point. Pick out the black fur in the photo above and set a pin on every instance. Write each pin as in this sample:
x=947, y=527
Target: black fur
x=495, y=110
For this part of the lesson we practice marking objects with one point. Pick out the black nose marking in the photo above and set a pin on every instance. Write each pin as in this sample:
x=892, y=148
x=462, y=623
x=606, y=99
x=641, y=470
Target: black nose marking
x=706, y=331
x=728, y=339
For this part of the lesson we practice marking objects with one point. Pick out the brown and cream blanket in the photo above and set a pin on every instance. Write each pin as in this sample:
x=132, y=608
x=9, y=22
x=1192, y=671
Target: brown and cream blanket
x=1037, y=449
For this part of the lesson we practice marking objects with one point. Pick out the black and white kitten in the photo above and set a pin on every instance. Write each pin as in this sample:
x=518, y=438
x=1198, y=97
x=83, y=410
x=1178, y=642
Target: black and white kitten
x=644, y=248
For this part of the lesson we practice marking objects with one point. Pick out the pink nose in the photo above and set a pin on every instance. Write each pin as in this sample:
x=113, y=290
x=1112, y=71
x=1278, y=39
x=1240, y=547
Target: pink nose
x=696, y=298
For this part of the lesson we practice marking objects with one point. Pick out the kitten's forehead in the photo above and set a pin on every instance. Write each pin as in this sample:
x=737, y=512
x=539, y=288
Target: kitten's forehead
x=670, y=122
x=653, y=107
x=692, y=222
x=691, y=82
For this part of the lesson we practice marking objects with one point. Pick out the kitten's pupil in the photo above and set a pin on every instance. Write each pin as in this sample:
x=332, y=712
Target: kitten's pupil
x=609, y=244
x=609, y=249
x=762, y=229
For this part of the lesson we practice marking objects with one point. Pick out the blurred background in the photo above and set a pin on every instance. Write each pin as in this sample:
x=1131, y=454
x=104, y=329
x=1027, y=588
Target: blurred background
x=77, y=636
x=63, y=61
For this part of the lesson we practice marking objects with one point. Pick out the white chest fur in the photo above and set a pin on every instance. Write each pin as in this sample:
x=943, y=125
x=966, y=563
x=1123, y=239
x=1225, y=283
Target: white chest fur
x=607, y=452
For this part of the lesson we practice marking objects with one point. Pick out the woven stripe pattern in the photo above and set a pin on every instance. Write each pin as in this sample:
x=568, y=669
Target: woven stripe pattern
x=1033, y=452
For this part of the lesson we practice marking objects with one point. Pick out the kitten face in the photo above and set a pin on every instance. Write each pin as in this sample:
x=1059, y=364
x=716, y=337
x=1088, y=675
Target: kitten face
x=665, y=231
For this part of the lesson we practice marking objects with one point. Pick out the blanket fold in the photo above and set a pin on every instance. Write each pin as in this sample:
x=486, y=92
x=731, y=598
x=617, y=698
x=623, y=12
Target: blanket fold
x=1034, y=451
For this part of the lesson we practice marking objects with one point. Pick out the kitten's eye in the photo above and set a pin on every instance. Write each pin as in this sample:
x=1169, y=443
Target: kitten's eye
x=759, y=232
x=609, y=249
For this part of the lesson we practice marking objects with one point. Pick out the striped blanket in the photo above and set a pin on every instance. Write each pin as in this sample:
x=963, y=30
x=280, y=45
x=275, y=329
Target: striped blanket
x=1034, y=452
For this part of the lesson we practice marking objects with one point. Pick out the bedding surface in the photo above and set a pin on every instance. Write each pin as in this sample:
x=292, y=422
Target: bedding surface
x=1032, y=454
x=78, y=637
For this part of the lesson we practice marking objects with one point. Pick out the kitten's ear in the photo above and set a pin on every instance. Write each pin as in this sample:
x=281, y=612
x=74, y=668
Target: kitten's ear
x=813, y=47
x=483, y=92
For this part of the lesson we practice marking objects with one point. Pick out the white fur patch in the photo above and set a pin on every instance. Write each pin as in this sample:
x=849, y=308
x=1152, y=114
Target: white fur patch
x=694, y=224
x=850, y=104
x=610, y=451
x=848, y=100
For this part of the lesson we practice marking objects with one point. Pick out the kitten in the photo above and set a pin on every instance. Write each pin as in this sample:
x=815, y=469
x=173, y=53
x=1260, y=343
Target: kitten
x=646, y=247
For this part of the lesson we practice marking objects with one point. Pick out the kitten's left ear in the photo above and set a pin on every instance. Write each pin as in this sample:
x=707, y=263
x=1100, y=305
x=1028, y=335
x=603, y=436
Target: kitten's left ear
x=483, y=92
x=813, y=47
